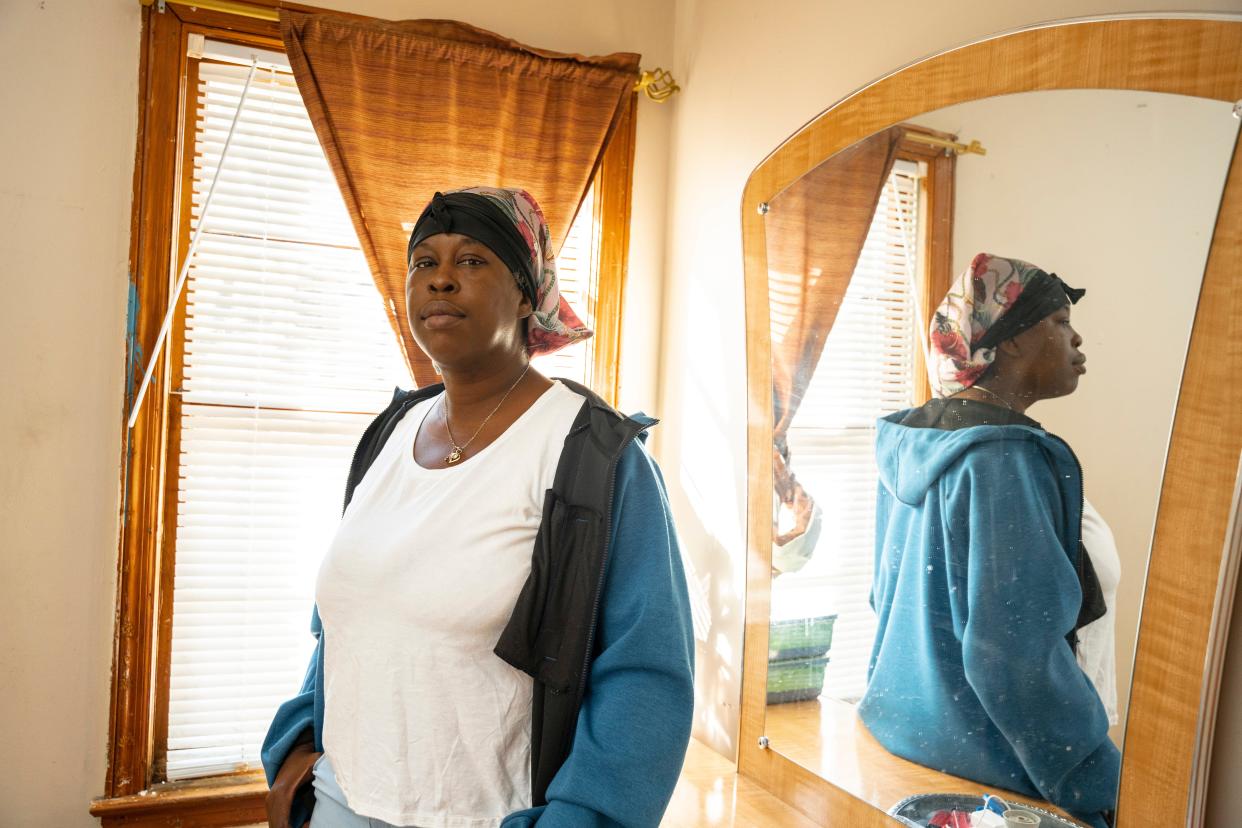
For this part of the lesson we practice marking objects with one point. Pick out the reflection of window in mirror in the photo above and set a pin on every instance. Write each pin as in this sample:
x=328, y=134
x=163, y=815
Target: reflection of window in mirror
x=871, y=365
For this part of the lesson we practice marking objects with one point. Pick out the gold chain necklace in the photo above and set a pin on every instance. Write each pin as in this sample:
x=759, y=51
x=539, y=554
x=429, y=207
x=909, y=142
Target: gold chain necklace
x=457, y=451
x=994, y=396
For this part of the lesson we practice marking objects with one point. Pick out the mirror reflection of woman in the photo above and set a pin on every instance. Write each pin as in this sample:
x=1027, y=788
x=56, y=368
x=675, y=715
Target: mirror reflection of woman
x=502, y=621
x=982, y=586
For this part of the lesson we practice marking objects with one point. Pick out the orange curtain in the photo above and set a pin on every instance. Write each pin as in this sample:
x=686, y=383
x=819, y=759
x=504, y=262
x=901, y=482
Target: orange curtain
x=815, y=233
x=404, y=109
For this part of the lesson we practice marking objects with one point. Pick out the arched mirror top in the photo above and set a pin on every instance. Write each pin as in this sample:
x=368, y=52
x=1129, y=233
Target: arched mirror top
x=1182, y=56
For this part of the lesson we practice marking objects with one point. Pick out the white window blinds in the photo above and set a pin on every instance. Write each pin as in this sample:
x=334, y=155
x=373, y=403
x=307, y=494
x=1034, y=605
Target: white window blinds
x=865, y=372
x=287, y=355
x=578, y=274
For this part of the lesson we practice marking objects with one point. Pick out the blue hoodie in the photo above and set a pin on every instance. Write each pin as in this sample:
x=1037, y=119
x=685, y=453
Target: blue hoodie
x=634, y=723
x=975, y=589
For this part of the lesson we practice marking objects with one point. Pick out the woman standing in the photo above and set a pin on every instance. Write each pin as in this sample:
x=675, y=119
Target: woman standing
x=459, y=680
x=981, y=582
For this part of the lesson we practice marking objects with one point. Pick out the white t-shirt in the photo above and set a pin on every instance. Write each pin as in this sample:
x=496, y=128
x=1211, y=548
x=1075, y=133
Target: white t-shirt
x=423, y=723
x=1097, y=641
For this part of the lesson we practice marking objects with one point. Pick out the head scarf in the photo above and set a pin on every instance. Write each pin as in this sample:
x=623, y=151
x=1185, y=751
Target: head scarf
x=510, y=224
x=993, y=301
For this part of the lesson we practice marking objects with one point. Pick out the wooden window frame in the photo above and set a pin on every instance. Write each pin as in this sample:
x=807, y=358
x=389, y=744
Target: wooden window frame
x=134, y=791
x=936, y=238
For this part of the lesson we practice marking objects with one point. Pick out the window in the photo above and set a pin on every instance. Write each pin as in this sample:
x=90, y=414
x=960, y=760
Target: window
x=578, y=275
x=871, y=366
x=284, y=357
x=236, y=466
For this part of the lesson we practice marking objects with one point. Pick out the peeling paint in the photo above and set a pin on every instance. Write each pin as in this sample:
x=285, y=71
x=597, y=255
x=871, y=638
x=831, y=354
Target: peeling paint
x=133, y=348
x=133, y=364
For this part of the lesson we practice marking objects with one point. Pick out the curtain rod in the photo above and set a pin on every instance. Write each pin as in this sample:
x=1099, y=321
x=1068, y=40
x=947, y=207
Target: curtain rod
x=959, y=149
x=657, y=84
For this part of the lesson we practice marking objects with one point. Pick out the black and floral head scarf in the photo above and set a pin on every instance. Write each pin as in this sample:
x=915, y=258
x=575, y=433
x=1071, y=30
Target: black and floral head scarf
x=993, y=301
x=511, y=225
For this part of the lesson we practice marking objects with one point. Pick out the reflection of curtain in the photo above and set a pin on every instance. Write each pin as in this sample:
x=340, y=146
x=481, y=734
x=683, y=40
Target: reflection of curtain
x=404, y=109
x=815, y=233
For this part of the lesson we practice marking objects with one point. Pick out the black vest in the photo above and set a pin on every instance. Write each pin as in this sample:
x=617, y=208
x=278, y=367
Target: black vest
x=551, y=633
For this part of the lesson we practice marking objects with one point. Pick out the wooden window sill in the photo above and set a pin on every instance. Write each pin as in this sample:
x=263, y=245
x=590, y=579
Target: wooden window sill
x=236, y=799
x=709, y=793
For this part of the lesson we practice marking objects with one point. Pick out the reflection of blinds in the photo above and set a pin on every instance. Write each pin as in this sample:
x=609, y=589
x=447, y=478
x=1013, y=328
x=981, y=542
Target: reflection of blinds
x=578, y=277
x=866, y=371
x=784, y=298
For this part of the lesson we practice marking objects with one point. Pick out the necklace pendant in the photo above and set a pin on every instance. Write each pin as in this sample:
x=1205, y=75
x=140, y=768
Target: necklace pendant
x=454, y=456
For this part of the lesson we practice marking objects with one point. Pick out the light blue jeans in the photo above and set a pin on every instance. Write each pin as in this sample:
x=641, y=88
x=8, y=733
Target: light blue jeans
x=331, y=811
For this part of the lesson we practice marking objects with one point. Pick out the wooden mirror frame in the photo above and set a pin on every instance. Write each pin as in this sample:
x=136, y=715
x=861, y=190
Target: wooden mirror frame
x=1171, y=714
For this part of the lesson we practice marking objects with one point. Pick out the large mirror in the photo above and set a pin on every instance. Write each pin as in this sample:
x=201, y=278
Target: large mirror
x=886, y=655
x=936, y=621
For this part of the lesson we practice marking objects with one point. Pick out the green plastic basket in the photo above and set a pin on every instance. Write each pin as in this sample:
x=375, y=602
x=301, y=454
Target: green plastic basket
x=800, y=638
x=796, y=679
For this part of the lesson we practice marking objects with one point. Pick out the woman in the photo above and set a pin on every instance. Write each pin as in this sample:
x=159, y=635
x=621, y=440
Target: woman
x=981, y=583
x=459, y=679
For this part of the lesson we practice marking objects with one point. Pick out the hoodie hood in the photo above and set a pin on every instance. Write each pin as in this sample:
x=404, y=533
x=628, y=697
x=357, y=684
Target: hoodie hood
x=911, y=460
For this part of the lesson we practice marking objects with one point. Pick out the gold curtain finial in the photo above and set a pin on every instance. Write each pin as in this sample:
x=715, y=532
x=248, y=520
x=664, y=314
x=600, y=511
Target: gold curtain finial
x=658, y=85
x=974, y=147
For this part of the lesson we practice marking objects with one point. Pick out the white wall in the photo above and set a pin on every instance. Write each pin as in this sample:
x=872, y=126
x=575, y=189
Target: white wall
x=1103, y=188
x=69, y=94
x=752, y=74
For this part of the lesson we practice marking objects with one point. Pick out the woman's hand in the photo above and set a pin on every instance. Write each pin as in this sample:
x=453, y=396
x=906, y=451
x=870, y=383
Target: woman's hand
x=296, y=771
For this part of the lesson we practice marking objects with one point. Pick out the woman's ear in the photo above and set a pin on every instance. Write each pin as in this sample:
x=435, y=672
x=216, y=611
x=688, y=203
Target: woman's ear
x=525, y=308
x=1008, y=355
x=1010, y=348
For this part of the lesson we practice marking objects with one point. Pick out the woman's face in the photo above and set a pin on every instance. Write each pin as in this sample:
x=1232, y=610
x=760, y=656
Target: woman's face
x=461, y=301
x=1051, y=361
